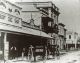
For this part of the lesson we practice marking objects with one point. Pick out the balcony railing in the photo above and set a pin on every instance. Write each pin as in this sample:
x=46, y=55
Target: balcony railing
x=25, y=24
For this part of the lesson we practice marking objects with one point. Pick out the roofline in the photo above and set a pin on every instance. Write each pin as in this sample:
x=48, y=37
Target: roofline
x=13, y=4
x=38, y=2
x=61, y=24
x=35, y=2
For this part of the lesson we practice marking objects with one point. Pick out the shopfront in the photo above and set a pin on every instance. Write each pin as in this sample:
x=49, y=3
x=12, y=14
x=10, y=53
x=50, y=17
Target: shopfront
x=22, y=43
x=13, y=44
x=16, y=39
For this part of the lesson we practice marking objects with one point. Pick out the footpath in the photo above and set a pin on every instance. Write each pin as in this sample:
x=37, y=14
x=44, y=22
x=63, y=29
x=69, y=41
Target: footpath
x=52, y=60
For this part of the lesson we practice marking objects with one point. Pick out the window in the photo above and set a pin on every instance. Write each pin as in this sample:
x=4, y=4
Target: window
x=69, y=36
x=49, y=24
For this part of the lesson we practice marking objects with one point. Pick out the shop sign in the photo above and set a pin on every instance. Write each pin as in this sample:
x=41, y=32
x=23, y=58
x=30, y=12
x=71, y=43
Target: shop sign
x=2, y=16
x=16, y=20
x=13, y=20
x=39, y=50
x=10, y=19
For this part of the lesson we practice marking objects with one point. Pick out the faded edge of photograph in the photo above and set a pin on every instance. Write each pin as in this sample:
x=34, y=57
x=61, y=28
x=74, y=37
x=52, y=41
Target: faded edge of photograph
x=37, y=31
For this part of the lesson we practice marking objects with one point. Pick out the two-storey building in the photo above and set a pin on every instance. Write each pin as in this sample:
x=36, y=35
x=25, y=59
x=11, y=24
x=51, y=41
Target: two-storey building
x=10, y=23
x=71, y=40
x=44, y=15
x=62, y=36
x=15, y=33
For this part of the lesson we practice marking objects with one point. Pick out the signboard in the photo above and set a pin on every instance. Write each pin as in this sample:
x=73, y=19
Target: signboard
x=10, y=13
x=39, y=50
x=10, y=19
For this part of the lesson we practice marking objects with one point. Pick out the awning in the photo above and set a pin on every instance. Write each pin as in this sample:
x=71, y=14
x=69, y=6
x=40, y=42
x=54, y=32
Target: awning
x=23, y=30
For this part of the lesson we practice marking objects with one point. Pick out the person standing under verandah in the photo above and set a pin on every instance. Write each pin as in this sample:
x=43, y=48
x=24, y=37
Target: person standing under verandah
x=13, y=52
x=23, y=52
x=30, y=53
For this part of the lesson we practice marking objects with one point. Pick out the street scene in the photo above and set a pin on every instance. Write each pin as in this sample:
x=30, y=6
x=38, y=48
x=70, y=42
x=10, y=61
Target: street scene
x=70, y=57
x=37, y=31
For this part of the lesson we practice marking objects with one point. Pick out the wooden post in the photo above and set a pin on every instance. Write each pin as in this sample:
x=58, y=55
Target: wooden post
x=49, y=12
x=6, y=47
x=30, y=53
x=22, y=55
x=46, y=52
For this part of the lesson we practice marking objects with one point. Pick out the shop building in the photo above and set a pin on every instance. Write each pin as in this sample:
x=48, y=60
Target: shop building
x=15, y=34
x=71, y=40
x=46, y=15
x=62, y=36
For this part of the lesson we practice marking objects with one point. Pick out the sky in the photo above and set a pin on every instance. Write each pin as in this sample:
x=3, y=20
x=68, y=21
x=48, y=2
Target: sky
x=69, y=12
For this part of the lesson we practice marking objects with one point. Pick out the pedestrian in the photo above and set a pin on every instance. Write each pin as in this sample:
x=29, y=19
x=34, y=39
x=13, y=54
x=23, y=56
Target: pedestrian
x=23, y=51
x=30, y=53
x=57, y=51
x=13, y=52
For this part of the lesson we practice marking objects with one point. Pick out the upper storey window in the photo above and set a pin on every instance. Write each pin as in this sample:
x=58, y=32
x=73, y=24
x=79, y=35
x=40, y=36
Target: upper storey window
x=49, y=23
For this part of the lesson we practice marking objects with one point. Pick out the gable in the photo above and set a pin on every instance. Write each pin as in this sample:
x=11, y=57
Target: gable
x=10, y=8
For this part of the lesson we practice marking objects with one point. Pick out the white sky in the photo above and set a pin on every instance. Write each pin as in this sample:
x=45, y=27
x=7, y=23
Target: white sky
x=70, y=12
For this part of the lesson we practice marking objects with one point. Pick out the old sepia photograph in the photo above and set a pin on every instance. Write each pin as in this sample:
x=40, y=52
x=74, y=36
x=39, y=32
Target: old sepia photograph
x=39, y=31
